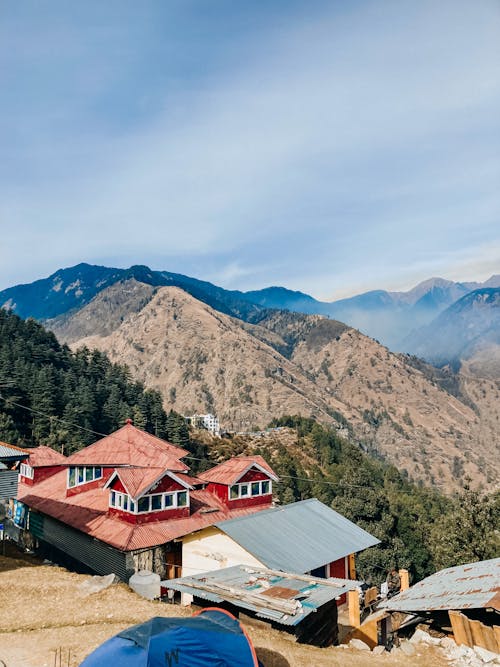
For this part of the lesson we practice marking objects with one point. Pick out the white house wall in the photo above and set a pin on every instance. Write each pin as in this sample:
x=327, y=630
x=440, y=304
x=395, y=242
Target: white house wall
x=209, y=550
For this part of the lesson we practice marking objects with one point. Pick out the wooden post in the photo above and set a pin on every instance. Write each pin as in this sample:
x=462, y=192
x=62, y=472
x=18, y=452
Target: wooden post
x=405, y=579
x=351, y=567
x=458, y=627
x=477, y=633
x=353, y=604
x=489, y=638
x=496, y=630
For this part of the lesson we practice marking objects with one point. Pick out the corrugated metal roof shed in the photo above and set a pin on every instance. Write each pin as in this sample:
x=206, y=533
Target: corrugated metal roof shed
x=251, y=588
x=10, y=452
x=470, y=586
x=298, y=537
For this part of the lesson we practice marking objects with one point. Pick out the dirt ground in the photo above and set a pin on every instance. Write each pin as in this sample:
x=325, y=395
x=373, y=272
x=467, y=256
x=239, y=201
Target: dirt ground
x=46, y=621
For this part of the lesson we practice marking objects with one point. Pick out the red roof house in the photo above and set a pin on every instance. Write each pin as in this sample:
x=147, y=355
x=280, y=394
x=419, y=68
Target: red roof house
x=129, y=498
x=42, y=462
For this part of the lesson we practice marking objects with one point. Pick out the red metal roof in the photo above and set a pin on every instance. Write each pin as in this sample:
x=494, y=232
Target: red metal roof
x=139, y=480
x=229, y=472
x=45, y=456
x=88, y=512
x=133, y=447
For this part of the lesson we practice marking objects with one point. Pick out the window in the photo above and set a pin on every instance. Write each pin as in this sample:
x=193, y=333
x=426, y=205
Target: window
x=150, y=503
x=26, y=471
x=249, y=489
x=83, y=475
x=143, y=504
x=156, y=502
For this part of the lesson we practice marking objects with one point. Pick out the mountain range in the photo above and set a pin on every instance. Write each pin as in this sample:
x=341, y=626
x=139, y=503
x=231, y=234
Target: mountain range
x=209, y=349
x=396, y=319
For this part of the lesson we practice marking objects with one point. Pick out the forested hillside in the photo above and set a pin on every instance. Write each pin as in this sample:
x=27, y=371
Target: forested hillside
x=419, y=528
x=46, y=389
x=50, y=395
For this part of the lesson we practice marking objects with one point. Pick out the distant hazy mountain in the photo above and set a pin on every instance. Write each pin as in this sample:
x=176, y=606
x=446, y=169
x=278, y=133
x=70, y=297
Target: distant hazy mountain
x=389, y=317
x=466, y=329
x=386, y=316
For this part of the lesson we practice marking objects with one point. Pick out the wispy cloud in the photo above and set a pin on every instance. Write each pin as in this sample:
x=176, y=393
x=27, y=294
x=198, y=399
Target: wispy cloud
x=361, y=141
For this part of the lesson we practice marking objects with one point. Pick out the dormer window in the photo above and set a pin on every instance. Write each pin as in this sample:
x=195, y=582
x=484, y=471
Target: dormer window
x=26, y=471
x=155, y=502
x=78, y=475
x=250, y=489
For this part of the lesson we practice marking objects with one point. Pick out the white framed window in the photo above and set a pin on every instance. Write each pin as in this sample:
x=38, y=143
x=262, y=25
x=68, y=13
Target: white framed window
x=250, y=489
x=154, y=502
x=26, y=471
x=83, y=475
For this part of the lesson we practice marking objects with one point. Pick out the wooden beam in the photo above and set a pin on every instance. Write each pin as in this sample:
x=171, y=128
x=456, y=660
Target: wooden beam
x=477, y=633
x=496, y=631
x=405, y=579
x=458, y=627
x=353, y=604
x=299, y=577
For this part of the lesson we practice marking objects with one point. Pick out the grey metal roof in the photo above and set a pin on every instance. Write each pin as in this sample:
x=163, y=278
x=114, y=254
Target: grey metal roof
x=246, y=587
x=298, y=537
x=12, y=453
x=470, y=586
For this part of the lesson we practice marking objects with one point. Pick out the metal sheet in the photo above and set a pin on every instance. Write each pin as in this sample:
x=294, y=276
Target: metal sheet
x=298, y=537
x=312, y=594
x=98, y=556
x=470, y=586
x=8, y=483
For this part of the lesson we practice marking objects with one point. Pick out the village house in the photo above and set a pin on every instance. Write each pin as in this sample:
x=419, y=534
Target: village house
x=128, y=503
x=125, y=502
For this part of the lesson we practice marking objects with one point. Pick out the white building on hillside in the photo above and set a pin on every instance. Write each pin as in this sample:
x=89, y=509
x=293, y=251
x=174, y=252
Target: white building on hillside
x=209, y=422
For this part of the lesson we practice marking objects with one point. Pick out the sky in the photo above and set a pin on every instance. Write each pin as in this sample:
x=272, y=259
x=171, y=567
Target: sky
x=330, y=147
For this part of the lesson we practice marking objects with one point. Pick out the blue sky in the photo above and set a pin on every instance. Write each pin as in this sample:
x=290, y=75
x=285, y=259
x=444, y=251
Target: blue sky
x=331, y=147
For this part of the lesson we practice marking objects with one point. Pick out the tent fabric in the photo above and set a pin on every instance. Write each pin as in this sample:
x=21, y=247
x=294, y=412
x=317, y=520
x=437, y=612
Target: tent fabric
x=212, y=637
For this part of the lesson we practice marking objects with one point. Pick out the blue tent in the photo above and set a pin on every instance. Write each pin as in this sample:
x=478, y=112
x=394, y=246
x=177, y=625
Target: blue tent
x=211, y=637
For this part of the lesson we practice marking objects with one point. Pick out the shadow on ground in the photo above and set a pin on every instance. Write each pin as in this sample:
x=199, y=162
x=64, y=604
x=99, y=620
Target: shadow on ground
x=270, y=658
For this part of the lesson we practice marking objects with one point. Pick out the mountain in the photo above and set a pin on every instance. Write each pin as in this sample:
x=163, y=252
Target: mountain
x=389, y=317
x=200, y=359
x=69, y=289
x=469, y=330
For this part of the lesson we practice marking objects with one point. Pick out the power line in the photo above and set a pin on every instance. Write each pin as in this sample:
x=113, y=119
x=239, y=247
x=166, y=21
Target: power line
x=193, y=458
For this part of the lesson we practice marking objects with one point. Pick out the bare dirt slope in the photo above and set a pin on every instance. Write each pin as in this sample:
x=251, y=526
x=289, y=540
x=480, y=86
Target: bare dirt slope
x=202, y=360
x=43, y=611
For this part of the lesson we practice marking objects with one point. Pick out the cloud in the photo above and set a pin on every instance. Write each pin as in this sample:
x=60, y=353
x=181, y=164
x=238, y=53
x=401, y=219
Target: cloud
x=359, y=141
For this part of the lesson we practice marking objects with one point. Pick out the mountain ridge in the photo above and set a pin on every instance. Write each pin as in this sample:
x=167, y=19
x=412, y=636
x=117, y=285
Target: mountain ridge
x=291, y=363
x=390, y=317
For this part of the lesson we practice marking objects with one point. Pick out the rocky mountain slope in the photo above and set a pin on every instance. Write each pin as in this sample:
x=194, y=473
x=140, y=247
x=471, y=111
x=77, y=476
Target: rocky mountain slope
x=288, y=363
x=386, y=316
